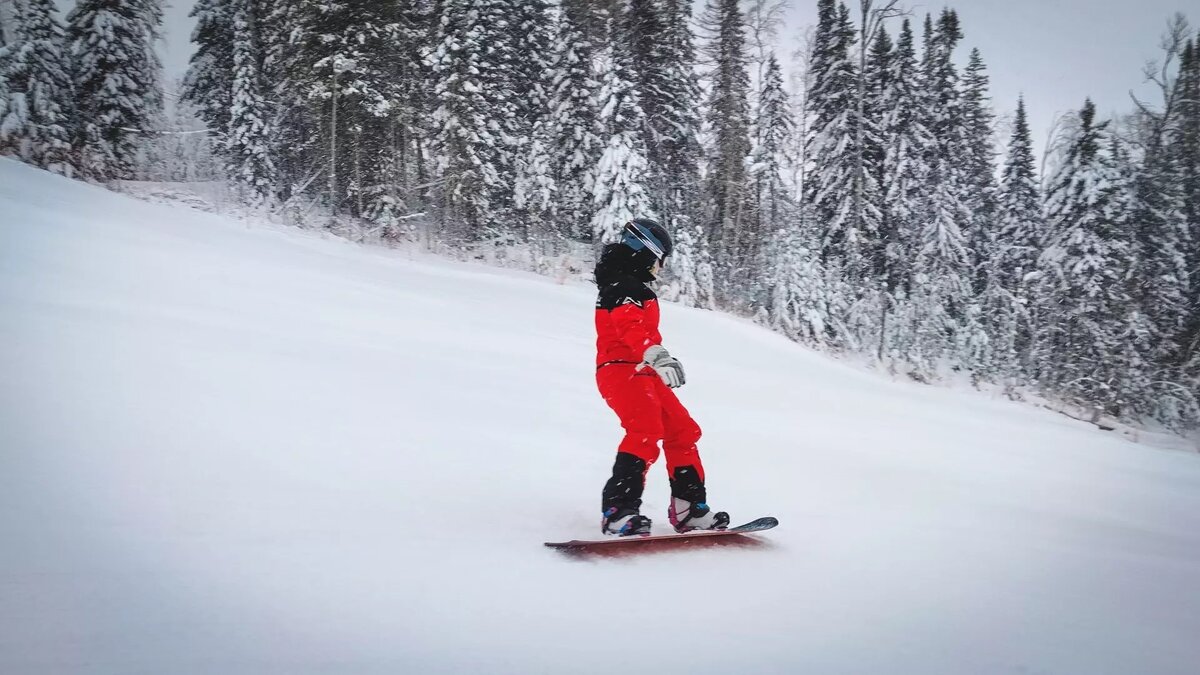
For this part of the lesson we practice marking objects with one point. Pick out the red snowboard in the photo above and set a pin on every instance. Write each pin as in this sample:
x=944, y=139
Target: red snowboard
x=733, y=535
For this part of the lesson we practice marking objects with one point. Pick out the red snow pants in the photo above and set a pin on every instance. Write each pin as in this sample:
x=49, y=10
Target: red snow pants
x=650, y=412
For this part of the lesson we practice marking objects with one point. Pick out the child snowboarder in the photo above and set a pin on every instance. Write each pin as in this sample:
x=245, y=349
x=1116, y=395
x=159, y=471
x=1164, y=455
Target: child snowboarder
x=636, y=375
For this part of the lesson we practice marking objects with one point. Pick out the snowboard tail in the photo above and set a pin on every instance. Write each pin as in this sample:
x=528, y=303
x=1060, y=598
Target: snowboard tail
x=729, y=535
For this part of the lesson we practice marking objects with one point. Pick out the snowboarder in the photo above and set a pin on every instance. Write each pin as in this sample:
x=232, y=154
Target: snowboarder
x=636, y=376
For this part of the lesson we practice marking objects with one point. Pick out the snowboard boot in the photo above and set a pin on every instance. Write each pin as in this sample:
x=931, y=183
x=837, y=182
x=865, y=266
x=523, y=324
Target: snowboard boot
x=689, y=509
x=622, y=498
x=686, y=516
x=624, y=522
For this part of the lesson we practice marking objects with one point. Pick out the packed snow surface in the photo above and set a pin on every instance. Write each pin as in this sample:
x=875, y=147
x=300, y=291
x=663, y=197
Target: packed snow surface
x=232, y=448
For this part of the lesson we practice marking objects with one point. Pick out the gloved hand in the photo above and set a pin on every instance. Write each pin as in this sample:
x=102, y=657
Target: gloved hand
x=668, y=367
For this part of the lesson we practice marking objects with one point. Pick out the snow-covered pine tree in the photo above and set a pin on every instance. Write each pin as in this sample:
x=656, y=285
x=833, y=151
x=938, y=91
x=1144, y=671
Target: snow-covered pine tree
x=830, y=146
x=673, y=129
x=349, y=54
x=621, y=190
x=474, y=109
x=1020, y=228
x=688, y=278
x=676, y=119
x=904, y=168
x=8, y=101
x=404, y=175
x=728, y=115
x=979, y=160
x=150, y=15
x=1020, y=231
x=948, y=329
x=864, y=262
x=1082, y=294
x=595, y=21
x=1140, y=381
x=1161, y=236
x=12, y=104
x=1138, y=385
x=12, y=109
x=37, y=74
x=799, y=305
x=774, y=127
x=1160, y=245
x=296, y=147
x=905, y=178
x=1186, y=149
x=574, y=123
x=643, y=29
x=248, y=137
x=647, y=32
x=149, y=163
x=118, y=94
x=905, y=171
x=771, y=212
x=530, y=34
x=948, y=211
x=875, y=85
x=799, y=298
x=990, y=303
x=533, y=191
x=208, y=84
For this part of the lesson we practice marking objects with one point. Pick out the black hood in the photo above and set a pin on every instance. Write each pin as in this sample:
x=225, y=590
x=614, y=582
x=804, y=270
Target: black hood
x=618, y=262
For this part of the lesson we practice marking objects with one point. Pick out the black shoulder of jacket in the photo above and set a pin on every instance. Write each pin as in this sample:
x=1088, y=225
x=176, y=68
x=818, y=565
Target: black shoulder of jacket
x=624, y=291
x=617, y=280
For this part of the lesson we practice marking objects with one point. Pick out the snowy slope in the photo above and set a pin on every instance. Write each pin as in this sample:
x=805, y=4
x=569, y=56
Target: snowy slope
x=233, y=449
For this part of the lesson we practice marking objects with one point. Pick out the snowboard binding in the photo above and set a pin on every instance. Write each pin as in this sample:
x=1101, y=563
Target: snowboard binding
x=624, y=522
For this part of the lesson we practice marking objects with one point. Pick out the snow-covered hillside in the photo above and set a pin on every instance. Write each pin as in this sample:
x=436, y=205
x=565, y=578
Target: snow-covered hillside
x=239, y=449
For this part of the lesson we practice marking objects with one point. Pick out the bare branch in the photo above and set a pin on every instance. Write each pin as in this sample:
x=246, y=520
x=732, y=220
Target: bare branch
x=1054, y=139
x=1140, y=106
x=874, y=18
x=1172, y=44
x=764, y=18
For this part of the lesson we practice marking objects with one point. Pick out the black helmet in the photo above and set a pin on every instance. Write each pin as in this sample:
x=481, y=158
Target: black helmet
x=643, y=233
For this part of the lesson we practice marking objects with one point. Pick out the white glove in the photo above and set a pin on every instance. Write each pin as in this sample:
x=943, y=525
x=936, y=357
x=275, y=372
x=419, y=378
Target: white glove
x=668, y=367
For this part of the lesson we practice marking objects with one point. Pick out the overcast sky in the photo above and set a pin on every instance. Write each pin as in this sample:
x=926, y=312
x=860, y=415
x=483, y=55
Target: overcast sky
x=1056, y=52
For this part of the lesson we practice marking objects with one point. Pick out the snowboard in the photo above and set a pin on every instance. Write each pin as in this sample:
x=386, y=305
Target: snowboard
x=615, y=544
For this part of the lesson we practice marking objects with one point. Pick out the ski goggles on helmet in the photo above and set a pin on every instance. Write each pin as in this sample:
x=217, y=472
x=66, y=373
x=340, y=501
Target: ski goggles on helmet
x=637, y=238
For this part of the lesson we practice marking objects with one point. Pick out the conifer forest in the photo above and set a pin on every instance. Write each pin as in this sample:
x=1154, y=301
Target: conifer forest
x=859, y=195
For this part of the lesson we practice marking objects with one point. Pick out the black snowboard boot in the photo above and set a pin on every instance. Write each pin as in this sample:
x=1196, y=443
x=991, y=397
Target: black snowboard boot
x=622, y=498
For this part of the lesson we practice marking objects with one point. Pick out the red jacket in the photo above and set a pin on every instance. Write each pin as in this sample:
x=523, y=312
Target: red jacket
x=626, y=309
